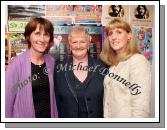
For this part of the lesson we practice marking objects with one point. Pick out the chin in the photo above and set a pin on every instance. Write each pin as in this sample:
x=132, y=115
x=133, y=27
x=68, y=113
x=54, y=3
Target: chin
x=79, y=56
x=41, y=51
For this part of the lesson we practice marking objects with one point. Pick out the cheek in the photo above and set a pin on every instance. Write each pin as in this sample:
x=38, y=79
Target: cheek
x=72, y=47
x=47, y=39
x=125, y=39
x=86, y=46
x=125, y=42
x=31, y=38
x=110, y=40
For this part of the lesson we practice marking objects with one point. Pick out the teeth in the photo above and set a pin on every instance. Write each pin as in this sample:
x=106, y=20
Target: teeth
x=116, y=43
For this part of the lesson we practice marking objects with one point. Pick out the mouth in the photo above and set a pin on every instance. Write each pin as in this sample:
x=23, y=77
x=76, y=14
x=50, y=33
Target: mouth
x=80, y=49
x=115, y=43
x=42, y=45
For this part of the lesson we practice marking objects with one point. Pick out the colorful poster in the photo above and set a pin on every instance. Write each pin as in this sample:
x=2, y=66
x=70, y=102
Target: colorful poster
x=87, y=14
x=60, y=20
x=25, y=12
x=59, y=50
x=67, y=29
x=16, y=26
x=110, y=12
x=144, y=41
x=142, y=15
x=17, y=44
x=59, y=10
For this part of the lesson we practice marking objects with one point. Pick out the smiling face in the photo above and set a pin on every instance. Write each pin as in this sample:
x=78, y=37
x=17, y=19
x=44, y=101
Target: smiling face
x=39, y=40
x=79, y=40
x=79, y=45
x=118, y=39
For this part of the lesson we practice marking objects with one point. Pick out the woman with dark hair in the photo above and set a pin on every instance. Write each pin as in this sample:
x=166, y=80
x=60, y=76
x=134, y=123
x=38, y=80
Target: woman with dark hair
x=29, y=86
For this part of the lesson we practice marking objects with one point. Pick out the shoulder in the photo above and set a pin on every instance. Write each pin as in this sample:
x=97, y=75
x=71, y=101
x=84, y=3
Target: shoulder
x=62, y=66
x=65, y=61
x=139, y=62
x=20, y=58
x=138, y=58
x=17, y=63
x=49, y=58
x=101, y=63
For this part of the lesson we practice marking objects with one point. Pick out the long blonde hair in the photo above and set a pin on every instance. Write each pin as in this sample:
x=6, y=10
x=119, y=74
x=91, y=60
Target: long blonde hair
x=108, y=55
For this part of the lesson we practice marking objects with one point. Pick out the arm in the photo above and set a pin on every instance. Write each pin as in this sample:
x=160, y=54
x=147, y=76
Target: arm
x=11, y=80
x=56, y=87
x=140, y=74
x=106, y=101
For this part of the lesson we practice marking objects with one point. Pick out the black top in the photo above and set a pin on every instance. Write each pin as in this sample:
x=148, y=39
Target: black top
x=80, y=89
x=85, y=101
x=40, y=90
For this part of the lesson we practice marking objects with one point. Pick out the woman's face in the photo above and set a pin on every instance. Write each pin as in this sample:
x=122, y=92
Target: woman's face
x=118, y=39
x=79, y=46
x=39, y=40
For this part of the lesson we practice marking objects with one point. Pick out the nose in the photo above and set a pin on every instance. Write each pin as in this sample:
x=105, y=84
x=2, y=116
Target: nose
x=78, y=45
x=114, y=36
x=42, y=38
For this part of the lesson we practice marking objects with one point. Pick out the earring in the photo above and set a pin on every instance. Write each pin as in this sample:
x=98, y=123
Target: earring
x=129, y=39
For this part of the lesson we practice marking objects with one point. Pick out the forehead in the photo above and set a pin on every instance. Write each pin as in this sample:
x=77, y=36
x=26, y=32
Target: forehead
x=39, y=28
x=115, y=26
x=117, y=29
x=79, y=37
x=78, y=34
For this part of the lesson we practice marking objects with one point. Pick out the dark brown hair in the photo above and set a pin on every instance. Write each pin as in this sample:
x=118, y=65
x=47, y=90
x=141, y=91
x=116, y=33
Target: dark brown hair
x=32, y=25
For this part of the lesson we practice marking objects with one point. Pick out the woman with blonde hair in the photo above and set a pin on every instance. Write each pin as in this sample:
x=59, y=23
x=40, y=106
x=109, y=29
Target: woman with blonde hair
x=127, y=85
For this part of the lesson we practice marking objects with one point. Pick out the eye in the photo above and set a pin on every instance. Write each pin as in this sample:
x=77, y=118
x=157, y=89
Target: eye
x=47, y=34
x=119, y=32
x=82, y=42
x=74, y=42
x=110, y=33
x=37, y=33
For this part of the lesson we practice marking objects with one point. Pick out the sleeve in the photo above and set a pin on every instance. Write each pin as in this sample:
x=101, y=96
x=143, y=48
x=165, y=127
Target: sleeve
x=11, y=85
x=57, y=95
x=140, y=76
x=106, y=101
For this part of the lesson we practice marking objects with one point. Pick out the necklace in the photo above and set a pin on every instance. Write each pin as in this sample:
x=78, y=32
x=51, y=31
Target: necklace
x=39, y=65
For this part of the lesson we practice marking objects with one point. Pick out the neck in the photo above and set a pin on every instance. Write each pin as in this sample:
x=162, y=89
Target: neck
x=83, y=60
x=36, y=57
x=121, y=52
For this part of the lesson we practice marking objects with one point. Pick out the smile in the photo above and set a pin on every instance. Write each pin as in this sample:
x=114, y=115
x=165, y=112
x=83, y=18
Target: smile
x=115, y=43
